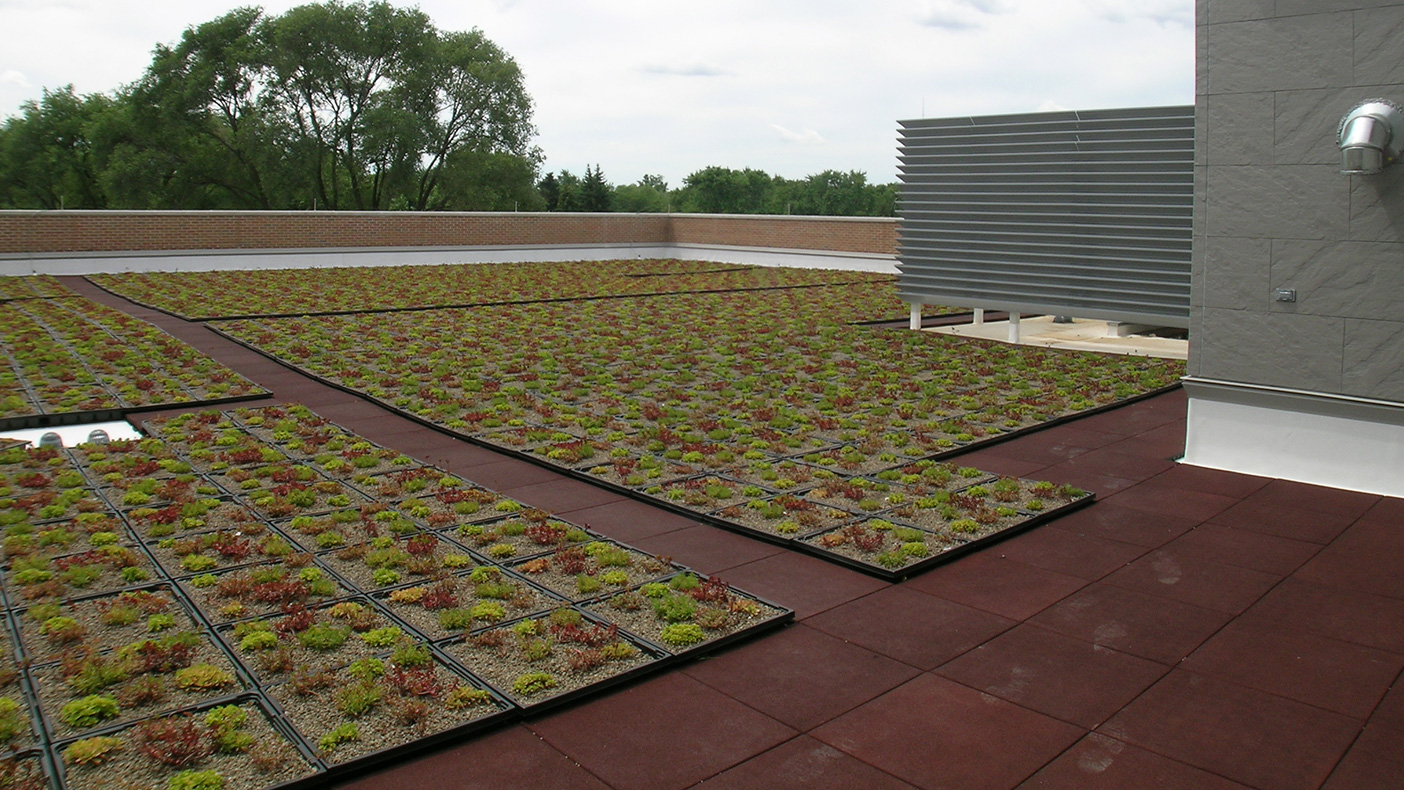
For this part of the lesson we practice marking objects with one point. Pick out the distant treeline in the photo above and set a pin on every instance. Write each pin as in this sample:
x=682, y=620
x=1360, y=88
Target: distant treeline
x=722, y=190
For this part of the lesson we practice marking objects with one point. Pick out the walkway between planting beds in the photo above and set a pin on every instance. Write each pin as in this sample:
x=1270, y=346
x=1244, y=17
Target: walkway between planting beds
x=1192, y=629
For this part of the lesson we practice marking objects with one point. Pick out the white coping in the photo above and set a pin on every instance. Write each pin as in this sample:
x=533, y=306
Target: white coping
x=233, y=260
x=1335, y=441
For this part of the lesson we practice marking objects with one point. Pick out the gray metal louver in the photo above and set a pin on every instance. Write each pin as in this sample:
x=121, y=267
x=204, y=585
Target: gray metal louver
x=1073, y=213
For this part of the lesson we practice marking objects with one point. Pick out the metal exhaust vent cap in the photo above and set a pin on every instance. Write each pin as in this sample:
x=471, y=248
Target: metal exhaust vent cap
x=1370, y=137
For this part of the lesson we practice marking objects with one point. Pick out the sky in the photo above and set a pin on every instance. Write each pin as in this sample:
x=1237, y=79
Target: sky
x=791, y=87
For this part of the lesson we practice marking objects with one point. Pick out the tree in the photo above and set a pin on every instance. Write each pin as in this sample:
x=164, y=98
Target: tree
x=193, y=132
x=47, y=156
x=550, y=191
x=595, y=193
x=721, y=190
x=336, y=105
x=648, y=195
x=568, y=194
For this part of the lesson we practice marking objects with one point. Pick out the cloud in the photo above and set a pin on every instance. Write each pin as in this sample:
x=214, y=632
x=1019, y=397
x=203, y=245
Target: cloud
x=12, y=77
x=959, y=14
x=806, y=136
x=947, y=20
x=694, y=70
x=1048, y=105
x=1161, y=12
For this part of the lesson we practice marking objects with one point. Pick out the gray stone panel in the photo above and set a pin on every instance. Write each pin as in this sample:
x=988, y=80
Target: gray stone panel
x=1379, y=46
x=1239, y=129
x=1216, y=11
x=1374, y=359
x=1236, y=273
x=1300, y=7
x=1292, y=53
x=1351, y=279
x=1289, y=202
x=1201, y=197
x=1196, y=331
x=1377, y=206
x=1201, y=130
x=1305, y=123
x=1296, y=351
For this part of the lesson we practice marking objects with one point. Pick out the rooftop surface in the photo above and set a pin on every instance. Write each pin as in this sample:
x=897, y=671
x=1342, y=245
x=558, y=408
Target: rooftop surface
x=1080, y=335
x=1194, y=628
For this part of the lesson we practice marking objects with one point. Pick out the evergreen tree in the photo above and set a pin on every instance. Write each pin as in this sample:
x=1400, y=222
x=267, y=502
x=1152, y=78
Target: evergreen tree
x=595, y=193
x=550, y=191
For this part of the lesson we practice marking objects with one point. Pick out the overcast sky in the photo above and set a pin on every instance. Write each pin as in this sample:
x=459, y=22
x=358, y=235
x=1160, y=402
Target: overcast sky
x=792, y=87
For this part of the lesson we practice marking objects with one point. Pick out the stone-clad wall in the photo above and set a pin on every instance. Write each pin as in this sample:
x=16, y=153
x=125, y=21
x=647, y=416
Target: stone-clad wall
x=1273, y=210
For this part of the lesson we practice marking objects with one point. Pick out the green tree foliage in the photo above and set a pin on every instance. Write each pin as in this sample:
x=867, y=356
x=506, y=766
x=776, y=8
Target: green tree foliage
x=568, y=192
x=550, y=191
x=47, y=154
x=568, y=197
x=356, y=105
x=720, y=190
x=648, y=195
x=595, y=193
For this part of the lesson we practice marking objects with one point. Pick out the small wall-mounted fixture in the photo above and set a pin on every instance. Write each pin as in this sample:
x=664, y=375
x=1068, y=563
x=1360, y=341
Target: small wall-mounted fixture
x=1370, y=137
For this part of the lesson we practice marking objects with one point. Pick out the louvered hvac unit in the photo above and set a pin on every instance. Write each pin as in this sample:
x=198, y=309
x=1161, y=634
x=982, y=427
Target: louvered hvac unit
x=1072, y=213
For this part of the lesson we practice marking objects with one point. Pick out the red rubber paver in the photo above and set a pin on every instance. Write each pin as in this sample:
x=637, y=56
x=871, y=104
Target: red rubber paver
x=1059, y=676
x=802, y=677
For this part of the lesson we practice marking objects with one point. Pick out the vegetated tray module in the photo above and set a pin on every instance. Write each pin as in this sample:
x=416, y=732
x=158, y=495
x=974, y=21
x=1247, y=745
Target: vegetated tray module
x=763, y=414
x=260, y=598
x=295, y=292
x=64, y=358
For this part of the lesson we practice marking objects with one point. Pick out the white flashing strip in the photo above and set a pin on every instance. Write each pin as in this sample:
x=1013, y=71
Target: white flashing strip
x=1335, y=441
x=240, y=260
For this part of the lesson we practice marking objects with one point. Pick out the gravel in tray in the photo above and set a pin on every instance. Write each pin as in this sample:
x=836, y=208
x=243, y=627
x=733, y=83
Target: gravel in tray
x=580, y=573
x=467, y=601
x=236, y=742
x=261, y=590
x=90, y=690
x=321, y=638
x=683, y=613
x=379, y=703
x=51, y=630
x=385, y=561
x=541, y=657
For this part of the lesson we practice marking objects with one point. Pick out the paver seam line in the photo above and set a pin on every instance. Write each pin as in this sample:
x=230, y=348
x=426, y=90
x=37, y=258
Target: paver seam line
x=683, y=668
x=996, y=635
x=1361, y=731
x=1167, y=669
x=530, y=718
x=1158, y=753
x=1142, y=747
x=527, y=726
x=1284, y=578
x=804, y=734
x=1235, y=619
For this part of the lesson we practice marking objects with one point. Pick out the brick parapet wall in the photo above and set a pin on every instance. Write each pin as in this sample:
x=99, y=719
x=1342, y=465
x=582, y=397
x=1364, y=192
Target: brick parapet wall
x=32, y=232
x=873, y=235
